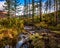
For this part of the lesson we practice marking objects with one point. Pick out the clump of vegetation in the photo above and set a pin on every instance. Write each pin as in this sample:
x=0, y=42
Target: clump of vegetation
x=40, y=41
x=41, y=24
x=10, y=29
x=7, y=35
x=37, y=40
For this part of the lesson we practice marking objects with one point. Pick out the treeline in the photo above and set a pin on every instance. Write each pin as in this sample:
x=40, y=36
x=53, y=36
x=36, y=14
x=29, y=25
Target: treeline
x=42, y=8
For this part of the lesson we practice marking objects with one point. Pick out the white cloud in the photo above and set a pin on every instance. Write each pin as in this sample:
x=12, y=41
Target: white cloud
x=1, y=5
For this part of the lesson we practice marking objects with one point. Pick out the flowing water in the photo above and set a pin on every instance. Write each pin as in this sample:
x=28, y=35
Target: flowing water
x=24, y=38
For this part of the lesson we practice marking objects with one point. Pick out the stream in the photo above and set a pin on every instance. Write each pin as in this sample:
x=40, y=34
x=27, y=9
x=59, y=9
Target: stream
x=24, y=38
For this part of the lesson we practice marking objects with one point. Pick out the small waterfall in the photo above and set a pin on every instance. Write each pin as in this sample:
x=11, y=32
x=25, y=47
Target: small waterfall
x=24, y=39
x=19, y=44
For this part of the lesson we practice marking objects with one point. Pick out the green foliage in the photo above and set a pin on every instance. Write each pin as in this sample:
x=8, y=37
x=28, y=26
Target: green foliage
x=53, y=43
x=58, y=25
x=54, y=27
x=11, y=22
x=41, y=24
x=7, y=35
x=37, y=40
x=48, y=18
x=57, y=32
x=10, y=29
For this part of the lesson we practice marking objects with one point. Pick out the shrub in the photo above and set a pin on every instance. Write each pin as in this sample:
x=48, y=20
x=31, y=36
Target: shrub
x=41, y=24
x=37, y=40
x=10, y=29
x=7, y=35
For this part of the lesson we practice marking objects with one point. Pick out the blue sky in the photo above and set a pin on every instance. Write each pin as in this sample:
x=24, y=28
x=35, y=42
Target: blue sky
x=1, y=0
x=22, y=1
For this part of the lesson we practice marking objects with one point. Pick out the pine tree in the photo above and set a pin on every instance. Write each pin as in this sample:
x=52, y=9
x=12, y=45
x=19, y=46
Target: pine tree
x=8, y=3
x=11, y=6
x=15, y=4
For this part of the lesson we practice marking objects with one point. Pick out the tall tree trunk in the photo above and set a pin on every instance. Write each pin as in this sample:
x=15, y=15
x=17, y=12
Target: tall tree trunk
x=37, y=10
x=24, y=8
x=29, y=9
x=55, y=11
x=32, y=10
x=59, y=5
x=8, y=5
x=49, y=5
x=15, y=8
x=40, y=5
